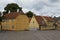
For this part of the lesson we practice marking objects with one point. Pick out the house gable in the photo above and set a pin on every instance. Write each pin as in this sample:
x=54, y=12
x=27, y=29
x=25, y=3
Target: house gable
x=48, y=20
x=40, y=20
x=33, y=23
x=15, y=21
x=22, y=22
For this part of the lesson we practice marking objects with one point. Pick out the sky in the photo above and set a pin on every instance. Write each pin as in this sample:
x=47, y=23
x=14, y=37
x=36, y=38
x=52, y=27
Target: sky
x=39, y=7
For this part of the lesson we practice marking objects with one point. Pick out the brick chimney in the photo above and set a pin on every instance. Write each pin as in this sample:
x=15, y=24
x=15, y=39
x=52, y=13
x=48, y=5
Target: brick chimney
x=1, y=13
x=17, y=10
x=9, y=11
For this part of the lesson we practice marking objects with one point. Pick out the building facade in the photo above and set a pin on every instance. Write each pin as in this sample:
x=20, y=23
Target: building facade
x=49, y=22
x=15, y=21
x=33, y=24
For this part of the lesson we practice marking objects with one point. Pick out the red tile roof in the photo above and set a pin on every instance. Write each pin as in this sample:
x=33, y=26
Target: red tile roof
x=11, y=15
x=48, y=18
x=40, y=20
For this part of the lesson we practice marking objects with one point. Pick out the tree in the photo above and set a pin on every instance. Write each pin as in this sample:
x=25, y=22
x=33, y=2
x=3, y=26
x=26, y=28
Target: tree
x=4, y=12
x=0, y=19
x=0, y=22
x=29, y=14
x=12, y=7
x=0, y=14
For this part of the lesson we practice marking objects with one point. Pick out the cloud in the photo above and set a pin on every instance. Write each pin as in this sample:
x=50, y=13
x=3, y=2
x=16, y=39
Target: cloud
x=25, y=10
x=3, y=3
x=39, y=7
x=53, y=1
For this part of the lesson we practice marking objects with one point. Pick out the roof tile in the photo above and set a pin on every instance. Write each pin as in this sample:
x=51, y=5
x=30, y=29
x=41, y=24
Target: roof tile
x=11, y=15
x=40, y=20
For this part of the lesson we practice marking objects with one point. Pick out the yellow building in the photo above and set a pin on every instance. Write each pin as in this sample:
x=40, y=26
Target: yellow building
x=33, y=24
x=15, y=21
x=36, y=23
x=49, y=22
x=41, y=23
x=0, y=26
x=57, y=25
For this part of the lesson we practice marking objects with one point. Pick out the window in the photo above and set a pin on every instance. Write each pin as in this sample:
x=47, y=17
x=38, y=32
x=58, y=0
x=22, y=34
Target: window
x=13, y=20
x=3, y=20
x=7, y=26
x=43, y=22
x=33, y=21
x=7, y=20
x=12, y=26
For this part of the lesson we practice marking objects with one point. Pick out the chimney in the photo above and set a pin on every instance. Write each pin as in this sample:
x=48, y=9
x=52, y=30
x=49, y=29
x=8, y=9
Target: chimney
x=17, y=10
x=9, y=11
x=1, y=13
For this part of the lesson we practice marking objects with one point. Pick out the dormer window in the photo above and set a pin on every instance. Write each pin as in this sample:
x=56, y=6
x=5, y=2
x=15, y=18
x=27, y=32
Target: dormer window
x=42, y=22
x=3, y=20
x=12, y=26
x=13, y=20
x=33, y=21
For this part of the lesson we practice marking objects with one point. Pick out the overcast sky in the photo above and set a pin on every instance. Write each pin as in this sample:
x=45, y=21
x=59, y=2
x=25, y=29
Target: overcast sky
x=39, y=7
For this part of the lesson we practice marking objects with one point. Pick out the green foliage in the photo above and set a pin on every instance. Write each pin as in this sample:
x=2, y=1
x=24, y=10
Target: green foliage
x=4, y=13
x=29, y=14
x=12, y=7
x=0, y=19
x=0, y=14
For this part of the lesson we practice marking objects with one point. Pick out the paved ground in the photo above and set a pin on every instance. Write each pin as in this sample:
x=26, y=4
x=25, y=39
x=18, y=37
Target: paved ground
x=30, y=35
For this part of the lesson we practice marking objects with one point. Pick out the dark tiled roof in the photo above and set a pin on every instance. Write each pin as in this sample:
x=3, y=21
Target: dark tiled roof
x=11, y=15
x=56, y=18
x=48, y=18
x=40, y=20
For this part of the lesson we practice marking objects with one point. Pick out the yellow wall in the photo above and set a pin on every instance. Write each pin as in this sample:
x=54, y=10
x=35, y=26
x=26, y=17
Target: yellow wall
x=58, y=26
x=33, y=24
x=49, y=25
x=0, y=27
x=20, y=23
